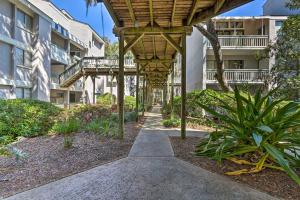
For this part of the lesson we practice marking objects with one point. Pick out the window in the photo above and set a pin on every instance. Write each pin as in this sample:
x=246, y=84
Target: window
x=278, y=23
x=24, y=21
x=211, y=64
x=236, y=24
x=221, y=25
x=23, y=58
x=234, y=64
x=23, y=93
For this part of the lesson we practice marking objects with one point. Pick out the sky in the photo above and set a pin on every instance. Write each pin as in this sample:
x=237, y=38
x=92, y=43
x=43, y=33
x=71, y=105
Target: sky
x=93, y=17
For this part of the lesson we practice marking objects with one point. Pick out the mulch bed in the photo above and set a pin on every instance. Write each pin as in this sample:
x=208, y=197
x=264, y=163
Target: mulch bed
x=48, y=160
x=275, y=183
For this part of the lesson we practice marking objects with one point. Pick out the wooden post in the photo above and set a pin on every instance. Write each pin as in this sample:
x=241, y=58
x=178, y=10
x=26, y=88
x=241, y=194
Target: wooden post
x=146, y=95
x=83, y=96
x=137, y=92
x=172, y=89
x=183, y=87
x=121, y=86
x=165, y=95
x=94, y=89
x=143, y=99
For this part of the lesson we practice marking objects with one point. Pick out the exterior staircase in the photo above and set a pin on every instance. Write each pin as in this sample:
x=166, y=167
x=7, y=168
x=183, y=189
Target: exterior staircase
x=94, y=66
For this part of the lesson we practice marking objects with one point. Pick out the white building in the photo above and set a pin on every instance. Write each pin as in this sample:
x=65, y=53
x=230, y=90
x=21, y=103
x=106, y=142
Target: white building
x=242, y=40
x=38, y=42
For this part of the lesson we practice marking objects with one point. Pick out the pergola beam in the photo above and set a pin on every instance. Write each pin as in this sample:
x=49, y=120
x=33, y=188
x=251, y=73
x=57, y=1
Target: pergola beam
x=172, y=42
x=154, y=60
x=153, y=30
x=210, y=12
x=193, y=11
x=218, y=5
x=151, y=12
x=133, y=42
x=173, y=12
x=130, y=9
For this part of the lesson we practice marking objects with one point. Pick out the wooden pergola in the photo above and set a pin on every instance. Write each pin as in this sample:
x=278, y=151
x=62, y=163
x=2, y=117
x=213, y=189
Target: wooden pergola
x=155, y=31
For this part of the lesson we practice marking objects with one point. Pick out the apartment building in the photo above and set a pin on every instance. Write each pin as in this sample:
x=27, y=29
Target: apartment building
x=37, y=43
x=242, y=40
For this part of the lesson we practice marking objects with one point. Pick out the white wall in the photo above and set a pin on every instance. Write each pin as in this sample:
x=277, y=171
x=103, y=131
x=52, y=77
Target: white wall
x=196, y=61
x=42, y=60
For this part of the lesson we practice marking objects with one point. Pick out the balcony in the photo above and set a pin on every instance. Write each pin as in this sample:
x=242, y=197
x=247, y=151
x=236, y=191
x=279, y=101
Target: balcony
x=240, y=75
x=60, y=55
x=243, y=42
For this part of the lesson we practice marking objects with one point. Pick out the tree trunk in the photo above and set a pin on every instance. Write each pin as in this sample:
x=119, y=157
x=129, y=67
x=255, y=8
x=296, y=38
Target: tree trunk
x=211, y=34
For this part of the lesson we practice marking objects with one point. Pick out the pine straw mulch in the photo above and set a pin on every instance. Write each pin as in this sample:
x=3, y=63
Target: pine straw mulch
x=275, y=183
x=48, y=160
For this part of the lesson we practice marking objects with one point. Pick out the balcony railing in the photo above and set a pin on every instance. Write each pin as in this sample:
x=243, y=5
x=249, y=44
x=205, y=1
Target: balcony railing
x=59, y=54
x=243, y=41
x=239, y=75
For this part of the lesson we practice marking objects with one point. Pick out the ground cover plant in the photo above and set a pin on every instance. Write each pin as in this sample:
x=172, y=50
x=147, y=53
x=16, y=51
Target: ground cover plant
x=257, y=131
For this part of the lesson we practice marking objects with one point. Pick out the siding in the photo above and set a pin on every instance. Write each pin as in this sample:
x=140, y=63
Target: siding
x=6, y=18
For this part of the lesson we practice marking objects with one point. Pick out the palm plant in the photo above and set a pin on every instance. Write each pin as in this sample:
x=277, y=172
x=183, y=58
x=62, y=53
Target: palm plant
x=257, y=128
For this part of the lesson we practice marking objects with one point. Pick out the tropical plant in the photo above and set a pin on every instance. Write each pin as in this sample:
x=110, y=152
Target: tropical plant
x=106, y=99
x=256, y=131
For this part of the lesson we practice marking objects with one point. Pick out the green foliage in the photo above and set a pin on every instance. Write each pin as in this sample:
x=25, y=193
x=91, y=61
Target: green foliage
x=293, y=4
x=286, y=71
x=8, y=150
x=171, y=122
x=66, y=127
x=68, y=141
x=129, y=103
x=106, y=127
x=25, y=117
x=130, y=116
x=259, y=128
x=106, y=99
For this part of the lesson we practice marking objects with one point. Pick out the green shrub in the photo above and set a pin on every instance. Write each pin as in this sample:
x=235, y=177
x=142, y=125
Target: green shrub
x=25, y=117
x=257, y=128
x=94, y=126
x=129, y=103
x=171, y=123
x=130, y=116
x=66, y=127
x=106, y=99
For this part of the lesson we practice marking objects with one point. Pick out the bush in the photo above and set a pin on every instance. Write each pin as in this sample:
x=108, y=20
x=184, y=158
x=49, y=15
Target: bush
x=130, y=116
x=106, y=99
x=129, y=103
x=262, y=130
x=171, y=123
x=66, y=127
x=25, y=117
x=106, y=127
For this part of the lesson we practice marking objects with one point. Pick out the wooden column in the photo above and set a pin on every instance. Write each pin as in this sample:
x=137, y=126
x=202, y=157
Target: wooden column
x=183, y=88
x=165, y=95
x=121, y=86
x=83, y=96
x=94, y=89
x=137, y=92
x=143, y=99
x=172, y=89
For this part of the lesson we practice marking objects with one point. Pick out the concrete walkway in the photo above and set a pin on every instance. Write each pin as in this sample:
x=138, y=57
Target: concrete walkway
x=150, y=172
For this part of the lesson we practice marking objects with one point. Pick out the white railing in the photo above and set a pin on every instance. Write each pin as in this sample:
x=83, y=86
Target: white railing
x=240, y=75
x=243, y=41
x=92, y=62
x=59, y=54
